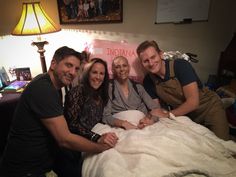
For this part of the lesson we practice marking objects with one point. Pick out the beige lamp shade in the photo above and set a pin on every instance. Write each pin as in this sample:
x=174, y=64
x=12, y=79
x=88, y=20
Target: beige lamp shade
x=34, y=21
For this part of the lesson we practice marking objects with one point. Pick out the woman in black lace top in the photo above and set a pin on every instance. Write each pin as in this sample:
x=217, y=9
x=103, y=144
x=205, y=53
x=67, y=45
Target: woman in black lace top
x=83, y=109
x=84, y=103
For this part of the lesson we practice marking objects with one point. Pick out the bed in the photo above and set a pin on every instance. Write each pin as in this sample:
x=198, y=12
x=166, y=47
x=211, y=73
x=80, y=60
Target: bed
x=172, y=147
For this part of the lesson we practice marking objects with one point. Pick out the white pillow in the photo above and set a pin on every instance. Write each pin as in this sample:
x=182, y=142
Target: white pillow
x=132, y=116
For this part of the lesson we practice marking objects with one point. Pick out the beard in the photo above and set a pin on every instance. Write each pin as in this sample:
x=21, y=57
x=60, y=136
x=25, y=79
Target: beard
x=60, y=79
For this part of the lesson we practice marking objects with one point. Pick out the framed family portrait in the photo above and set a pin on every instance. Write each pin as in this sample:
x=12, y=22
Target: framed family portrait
x=90, y=11
x=23, y=74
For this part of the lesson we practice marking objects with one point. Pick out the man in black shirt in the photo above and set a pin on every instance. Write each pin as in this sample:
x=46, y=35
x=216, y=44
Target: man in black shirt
x=39, y=126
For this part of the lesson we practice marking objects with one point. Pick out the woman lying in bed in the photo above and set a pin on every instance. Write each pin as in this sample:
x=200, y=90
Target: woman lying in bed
x=125, y=94
x=175, y=147
x=172, y=147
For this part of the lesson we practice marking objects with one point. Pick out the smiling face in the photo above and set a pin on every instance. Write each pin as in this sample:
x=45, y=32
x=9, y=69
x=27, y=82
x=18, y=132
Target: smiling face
x=96, y=75
x=65, y=71
x=120, y=68
x=151, y=60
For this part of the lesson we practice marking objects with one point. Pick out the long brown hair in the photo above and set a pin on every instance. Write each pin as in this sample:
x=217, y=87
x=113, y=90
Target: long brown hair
x=102, y=91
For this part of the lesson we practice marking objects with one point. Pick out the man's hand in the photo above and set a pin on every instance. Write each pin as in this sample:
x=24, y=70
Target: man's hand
x=109, y=139
x=162, y=113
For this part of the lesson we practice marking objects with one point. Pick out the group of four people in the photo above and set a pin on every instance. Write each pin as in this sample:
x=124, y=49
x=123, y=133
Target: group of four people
x=46, y=135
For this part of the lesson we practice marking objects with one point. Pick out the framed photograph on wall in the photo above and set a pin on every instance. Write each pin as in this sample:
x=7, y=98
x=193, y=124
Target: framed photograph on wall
x=90, y=11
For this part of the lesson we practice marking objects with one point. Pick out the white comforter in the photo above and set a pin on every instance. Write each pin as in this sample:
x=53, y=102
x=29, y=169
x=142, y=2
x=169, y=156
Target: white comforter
x=168, y=148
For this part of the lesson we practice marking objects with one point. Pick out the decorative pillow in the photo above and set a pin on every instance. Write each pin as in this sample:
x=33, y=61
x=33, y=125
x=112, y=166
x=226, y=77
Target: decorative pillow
x=132, y=116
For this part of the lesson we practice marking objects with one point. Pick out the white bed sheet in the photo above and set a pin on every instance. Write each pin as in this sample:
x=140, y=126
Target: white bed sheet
x=168, y=148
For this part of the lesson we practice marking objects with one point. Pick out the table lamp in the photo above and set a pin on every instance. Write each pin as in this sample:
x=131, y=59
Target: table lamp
x=34, y=21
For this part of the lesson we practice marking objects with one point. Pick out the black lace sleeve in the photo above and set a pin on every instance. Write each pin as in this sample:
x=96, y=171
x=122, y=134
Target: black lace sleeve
x=72, y=110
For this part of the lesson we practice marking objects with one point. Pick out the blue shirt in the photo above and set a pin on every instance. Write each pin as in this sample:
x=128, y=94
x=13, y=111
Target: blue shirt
x=184, y=72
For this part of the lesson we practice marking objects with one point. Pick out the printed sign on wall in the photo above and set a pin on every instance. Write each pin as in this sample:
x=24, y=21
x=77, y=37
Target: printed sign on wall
x=108, y=50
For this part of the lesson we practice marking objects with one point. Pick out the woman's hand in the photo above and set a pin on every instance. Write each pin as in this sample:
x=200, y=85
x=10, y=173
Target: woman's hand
x=127, y=125
x=146, y=121
x=124, y=124
x=109, y=138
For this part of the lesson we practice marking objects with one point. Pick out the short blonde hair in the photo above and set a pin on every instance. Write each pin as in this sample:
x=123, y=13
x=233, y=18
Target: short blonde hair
x=119, y=57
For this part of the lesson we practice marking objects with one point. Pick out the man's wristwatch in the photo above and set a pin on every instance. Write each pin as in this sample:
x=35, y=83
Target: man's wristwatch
x=95, y=137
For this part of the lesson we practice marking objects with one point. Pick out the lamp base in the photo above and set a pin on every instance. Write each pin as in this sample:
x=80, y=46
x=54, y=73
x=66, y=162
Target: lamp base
x=40, y=45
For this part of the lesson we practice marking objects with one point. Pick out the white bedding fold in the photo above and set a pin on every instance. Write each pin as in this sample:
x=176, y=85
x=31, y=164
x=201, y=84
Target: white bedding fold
x=167, y=148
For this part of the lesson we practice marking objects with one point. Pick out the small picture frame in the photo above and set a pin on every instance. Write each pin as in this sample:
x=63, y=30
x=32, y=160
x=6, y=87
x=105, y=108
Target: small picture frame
x=23, y=74
x=90, y=11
